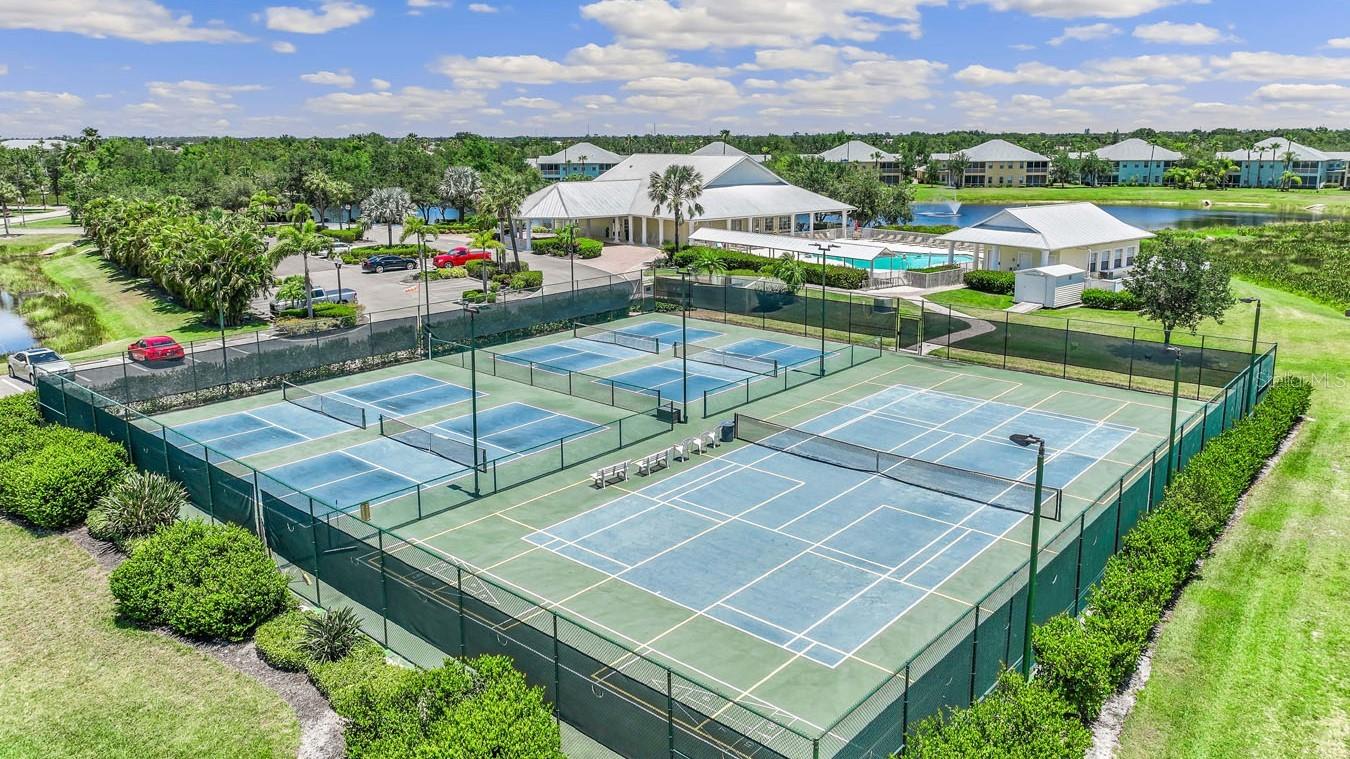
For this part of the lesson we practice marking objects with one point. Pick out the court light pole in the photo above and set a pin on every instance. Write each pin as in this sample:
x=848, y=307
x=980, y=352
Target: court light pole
x=337, y=264
x=1024, y=441
x=1250, y=400
x=1176, y=393
x=472, y=310
x=684, y=341
x=823, y=247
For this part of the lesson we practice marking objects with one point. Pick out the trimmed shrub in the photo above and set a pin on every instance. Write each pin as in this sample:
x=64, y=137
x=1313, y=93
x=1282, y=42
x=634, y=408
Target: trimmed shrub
x=527, y=280
x=342, y=681
x=331, y=635
x=1108, y=300
x=1016, y=719
x=478, y=296
x=348, y=235
x=1074, y=661
x=475, y=267
x=935, y=269
x=994, y=282
x=554, y=246
x=842, y=277
x=137, y=505
x=57, y=475
x=19, y=418
x=202, y=580
x=345, y=312
x=279, y=641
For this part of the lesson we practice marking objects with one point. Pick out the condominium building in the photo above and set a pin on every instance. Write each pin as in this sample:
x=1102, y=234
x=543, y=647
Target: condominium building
x=1136, y=162
x=857, y=151
x=580, y=160
x=997, y=163
x=1264, y=165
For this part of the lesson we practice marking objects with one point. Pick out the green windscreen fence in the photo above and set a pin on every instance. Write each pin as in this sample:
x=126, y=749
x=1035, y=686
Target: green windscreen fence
x=425, y=606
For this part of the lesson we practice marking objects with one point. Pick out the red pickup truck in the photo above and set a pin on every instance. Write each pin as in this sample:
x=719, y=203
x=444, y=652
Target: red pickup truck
x=460, y=256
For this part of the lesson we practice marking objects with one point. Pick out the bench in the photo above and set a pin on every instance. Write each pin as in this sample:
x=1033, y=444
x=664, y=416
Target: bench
x=654, y=461
x=606, y=474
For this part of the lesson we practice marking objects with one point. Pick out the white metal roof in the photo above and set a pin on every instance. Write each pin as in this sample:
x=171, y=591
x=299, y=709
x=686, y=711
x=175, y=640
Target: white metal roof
x=994, y=150
x=1053, y=270
x=1274, y=148
x=734, y=187
x=1135, y=149
x=719, y=148
x=862, y=250
x=1049, y=227
x=575, y=154
x=855, y=151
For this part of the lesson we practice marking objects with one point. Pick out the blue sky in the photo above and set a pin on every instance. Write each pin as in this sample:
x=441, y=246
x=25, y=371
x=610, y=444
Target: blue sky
x=549, y=67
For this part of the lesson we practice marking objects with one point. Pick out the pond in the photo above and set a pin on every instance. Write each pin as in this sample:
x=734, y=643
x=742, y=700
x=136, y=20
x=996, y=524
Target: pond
x=14, y=332
x=1145, y=217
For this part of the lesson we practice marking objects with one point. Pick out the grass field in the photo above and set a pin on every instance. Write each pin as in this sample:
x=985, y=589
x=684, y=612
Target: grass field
x=59, y=221
x=127, y=307
x=969, y=298
x=1337, y=201
x=75, y=683
x=1255, y=659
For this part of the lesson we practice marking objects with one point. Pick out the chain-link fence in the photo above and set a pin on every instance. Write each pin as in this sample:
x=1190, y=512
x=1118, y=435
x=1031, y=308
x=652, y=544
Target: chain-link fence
x=425, y=606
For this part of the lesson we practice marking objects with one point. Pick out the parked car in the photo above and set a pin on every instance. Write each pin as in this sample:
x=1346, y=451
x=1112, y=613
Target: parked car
x=379, y=264
x=25, y=365
x=157, y=348
x=318, y=295
x=460, y=256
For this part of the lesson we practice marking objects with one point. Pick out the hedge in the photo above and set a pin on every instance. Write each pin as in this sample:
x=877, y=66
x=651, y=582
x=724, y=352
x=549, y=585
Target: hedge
x=527, y=280
x=344, y=312
x=841, y=277
x=1016, y=719
x=995, y=282
x=1082, y=660
x=278, y=641
x=556, y=246
x=202, y=580
x=1109, y=300
x=349, y=235
x=53, y=475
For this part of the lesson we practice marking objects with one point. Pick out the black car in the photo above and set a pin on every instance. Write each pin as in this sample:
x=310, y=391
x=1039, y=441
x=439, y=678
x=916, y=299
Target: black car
x=381, y=264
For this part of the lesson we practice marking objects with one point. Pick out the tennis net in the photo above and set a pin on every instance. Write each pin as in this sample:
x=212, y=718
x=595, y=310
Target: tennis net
x=980, y=487
x=752, y=364
x=422, y=439
x=616, y=337
x=324, y=404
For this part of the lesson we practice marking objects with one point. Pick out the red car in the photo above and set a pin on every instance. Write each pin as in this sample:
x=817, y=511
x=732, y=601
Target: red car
x=158, y=348
x=460, y=256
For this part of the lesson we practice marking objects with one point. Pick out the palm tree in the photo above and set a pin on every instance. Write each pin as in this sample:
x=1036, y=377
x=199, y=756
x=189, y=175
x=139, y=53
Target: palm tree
x=485, y=240
x=678, y=191
x=387, y=206
x=956, y=168
x=709, y=262
x=790, y=271
x=460, y=187
x=567, y=235
x=1289, y=156
x=416, y=226
x=304, y=241
x=263, y=204
x=299, y=214
x=503, y=192
x=1289, y=179
x=8, y=194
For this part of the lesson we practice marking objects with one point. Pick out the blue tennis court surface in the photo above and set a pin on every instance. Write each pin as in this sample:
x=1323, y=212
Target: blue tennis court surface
x=786, y=355
x=668, y=334
x=574, y=354
x=245, y=433
x=816, y=558
x=403, y=395
x=667, y=378
x=382, y=469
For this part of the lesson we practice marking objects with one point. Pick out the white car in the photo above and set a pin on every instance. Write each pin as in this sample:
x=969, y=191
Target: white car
x=25, y=365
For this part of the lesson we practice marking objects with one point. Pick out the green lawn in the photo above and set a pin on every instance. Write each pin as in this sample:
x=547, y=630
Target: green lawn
x=1337, y=201
x=1256, y=659
x=127, y=307
x=59, y=221
x=970, y=298
x=75, y=683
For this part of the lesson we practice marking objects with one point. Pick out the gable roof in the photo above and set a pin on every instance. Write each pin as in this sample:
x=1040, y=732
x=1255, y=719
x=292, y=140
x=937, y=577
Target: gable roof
x=855, y=151
x=573, y=153
x=994, y=150
x=1135, y=149
x=1049, y=227
x=719, y=148
x=1280, y=145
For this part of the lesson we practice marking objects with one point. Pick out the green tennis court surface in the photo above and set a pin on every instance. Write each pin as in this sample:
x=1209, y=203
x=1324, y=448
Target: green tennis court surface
x=791, y=575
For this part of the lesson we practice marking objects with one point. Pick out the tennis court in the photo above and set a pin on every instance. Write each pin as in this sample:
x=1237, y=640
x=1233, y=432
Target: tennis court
x=402, y=395
x=743, y=361
x=593, y=347
x=779, y=541
x=244, y=433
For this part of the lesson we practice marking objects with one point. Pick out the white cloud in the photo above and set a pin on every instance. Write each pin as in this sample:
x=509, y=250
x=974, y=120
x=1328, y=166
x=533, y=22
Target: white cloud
x=330, y=79
x=1168, y=33
x=332, y=14
x=379, y=84
x=39, y=99
x=418, y=105
x=812, y=58
x=285, y=48
x=1138, y=95
x=974, y=103
x=4, y=69
x=590, y=63
x=138, y=20
x=1086, y=33
x=864, y=87
x=1339, y=42
x=1284, y=93
x=538, y=104
x=482, y=8
x=1022, y=46
x=1024, y=73
x=703, y=24
x=1083, y=8
x=594, y=102
x=1263, y=66
x=760, y=84
x=1186, y=68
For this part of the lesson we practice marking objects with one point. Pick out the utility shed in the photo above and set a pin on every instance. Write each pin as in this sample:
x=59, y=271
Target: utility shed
x=1053, y=286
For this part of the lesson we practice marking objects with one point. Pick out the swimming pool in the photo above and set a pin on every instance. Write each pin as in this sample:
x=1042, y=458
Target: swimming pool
x=902, y=262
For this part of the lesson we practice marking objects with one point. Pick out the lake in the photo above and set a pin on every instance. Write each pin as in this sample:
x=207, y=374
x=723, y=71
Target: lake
x=14, y=333
x=1145, y=217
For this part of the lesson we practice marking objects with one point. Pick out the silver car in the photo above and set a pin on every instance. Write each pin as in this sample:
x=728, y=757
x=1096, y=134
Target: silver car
x=25, y=365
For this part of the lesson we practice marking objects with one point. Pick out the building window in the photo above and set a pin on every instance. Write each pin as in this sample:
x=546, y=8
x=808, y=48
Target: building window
x=1092, y=261
x=1129, y=255
x=1119, y=252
